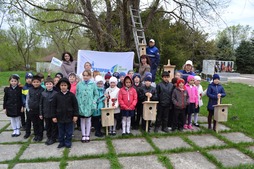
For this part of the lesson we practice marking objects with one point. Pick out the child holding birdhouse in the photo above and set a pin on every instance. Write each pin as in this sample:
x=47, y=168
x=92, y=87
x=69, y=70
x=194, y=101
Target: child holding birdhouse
x=215, y=92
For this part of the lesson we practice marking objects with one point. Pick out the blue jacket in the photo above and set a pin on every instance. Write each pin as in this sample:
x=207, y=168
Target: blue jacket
x=186, y=74
x=25, y=92
x=153, y=53
x=100, y=102
x=212, y=91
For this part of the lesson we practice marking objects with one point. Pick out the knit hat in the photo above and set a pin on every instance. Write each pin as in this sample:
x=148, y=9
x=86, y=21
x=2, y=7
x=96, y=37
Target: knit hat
x=122, y=74
x=113, y=79
x=189, y=78
x=59, y=74
x=107, y=76
x=72, y=74
x=14, y=76
x=98, y=78
x=179, y=81
x=136, y=75
x=148, y=74
x=36, y=77
x=148, y=78
x=29, y=75
x=49, y=79
x=216, y=76
x=189, y=62
x=116, y=74
x=63, y=80
x=197, y=78
x=165, y=73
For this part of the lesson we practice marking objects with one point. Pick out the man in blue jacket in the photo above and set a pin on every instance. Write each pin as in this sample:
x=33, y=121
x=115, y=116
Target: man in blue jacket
x=153, y=52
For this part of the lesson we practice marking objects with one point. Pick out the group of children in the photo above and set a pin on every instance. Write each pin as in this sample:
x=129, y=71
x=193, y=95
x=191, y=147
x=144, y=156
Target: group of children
x=60, y=103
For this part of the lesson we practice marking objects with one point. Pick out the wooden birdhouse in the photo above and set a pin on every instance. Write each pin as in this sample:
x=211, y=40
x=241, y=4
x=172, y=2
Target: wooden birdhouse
x=171, y=69
x=220, y=113
x=149, y=111
x=107, y=117
x=142, y=49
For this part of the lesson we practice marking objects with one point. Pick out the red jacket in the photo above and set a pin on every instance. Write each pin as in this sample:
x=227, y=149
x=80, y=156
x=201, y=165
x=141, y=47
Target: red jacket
x=127, y=98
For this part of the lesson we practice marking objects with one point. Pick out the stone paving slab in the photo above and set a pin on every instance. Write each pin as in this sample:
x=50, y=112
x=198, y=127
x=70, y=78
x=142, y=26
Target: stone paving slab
x=8, y=152
x=3, y=166
x=251, y=148
x=193, y=160
x=202, y=119
x=130, y=145
x=137, y=162
x=237, y=137
x=47, y=165
x=6, y=137
x=168, y=143
x=91, y=148
x=231, y=157
x=4, y=117
x=3, y=123
x=40, y=150
x=93, y=163
x=206, y=140
x=221, y=127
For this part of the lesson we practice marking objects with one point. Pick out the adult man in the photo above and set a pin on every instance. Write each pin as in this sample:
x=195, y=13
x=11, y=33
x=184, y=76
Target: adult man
x=153, y=53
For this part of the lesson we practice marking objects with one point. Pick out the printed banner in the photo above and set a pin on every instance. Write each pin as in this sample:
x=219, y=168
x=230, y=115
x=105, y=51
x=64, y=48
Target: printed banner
x=105, y=61
x=56, y=62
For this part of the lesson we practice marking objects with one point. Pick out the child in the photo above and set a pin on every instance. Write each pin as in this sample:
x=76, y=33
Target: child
x=65, y=112
x=127, y=99
x=148, y=91
x=116, y=75
x=139, y=106
x=200, y=101
x=59, y=75
x=100, y=104
x=121, y=76
x=87, y=95
x=164, y=91
x=33, y=108
x=45, y=111
x=42, y=80
x=28, y=79
x=171, y=114
x=12, y=104
x=214, y=92
x=56, y=80
x=72, y=77
x=130, y=73
x=193, y=98
x=178, y=75
x=107, y=77
x=112, y=95
x=95, y=73
x=180, y=100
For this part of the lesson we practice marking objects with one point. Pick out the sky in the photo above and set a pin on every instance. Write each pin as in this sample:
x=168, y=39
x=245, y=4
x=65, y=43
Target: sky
x=238, y=12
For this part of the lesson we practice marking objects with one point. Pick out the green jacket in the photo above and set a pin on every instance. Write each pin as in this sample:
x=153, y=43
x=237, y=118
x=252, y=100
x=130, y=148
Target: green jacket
x=87, y=95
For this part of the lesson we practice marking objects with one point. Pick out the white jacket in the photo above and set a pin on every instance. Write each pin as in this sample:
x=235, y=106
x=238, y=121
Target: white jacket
x=113, y=93
x=201, y=93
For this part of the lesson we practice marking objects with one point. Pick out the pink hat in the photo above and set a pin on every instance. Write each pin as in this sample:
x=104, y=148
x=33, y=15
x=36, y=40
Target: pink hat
x=190, y=77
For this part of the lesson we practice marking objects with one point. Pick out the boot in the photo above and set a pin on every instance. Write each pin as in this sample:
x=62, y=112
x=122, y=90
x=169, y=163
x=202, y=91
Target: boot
x=209, y=122
x=214, y=125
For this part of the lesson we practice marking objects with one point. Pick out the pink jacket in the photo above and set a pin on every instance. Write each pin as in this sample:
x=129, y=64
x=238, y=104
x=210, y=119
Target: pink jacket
x=127, y=98
x=193, y=93
x=74, y=87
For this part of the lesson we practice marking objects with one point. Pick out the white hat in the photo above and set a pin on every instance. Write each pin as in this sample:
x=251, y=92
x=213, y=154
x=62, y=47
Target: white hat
x=98, y=78
x=188, y=62
x=197, y=78
x=113, y=79
x=152, y=40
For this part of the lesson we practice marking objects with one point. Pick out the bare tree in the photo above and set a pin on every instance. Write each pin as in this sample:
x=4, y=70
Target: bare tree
x=89, y=14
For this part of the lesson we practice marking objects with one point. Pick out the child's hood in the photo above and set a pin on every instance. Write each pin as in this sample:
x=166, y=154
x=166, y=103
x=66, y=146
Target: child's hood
x=127, y=77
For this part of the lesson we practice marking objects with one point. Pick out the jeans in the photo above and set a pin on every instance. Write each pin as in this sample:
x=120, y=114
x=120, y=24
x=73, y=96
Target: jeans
x=65, y=131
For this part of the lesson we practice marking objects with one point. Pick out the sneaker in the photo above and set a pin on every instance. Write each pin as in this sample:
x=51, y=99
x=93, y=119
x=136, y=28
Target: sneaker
x=156, y=129
x=60, y=145
x=166, y=130
x=185, y=126
x=196, y=124
x=190, y=127
x=83, y=140
x=26, y=136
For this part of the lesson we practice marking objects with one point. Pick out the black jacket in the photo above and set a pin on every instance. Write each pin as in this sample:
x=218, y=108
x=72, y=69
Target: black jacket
x=140, y=93
x=64, y=107
x=164, y=92
x=152, y=90
x=12, y=101
x=33, y=100
x=45, y=103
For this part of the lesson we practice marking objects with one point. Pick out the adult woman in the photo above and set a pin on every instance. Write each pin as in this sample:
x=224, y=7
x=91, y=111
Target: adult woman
x=144, y=66
x=187, y=70
x=68, y=65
